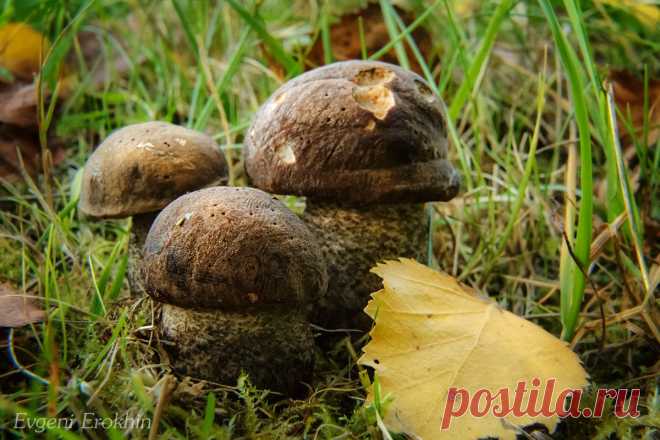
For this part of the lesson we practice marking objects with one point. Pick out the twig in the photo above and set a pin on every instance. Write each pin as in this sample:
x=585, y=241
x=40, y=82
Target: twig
x=167, y=388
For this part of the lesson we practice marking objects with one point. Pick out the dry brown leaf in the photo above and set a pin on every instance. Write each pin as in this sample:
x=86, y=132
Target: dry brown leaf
x=19, y=104
x=14, y=140
x=22, y=49
x=629, y=96
x=17, y=310
x=345, y=38
x=431, y=333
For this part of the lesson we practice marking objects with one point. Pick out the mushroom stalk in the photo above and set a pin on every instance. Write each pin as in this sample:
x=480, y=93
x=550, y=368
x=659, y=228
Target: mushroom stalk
x=274, y=345
x=353, y=239
x=139, y=230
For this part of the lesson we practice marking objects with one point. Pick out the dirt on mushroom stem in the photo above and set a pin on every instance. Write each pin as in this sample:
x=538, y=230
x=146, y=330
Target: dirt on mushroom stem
x=353, y=239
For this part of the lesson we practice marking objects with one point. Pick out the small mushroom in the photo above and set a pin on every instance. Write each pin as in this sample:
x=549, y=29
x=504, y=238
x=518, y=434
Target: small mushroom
x=237, y=273
x=141, y=168
x=365, y=143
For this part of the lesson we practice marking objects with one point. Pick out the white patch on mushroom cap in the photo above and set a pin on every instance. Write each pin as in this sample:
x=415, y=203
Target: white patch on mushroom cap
x=279, y=99
x=285, y=153
x=376, y=99
x=275, y=102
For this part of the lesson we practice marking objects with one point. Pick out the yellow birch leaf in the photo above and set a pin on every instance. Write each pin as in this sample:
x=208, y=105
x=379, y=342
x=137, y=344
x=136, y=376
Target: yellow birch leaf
x=432, y=334
x=21, y=49
x=647, y=13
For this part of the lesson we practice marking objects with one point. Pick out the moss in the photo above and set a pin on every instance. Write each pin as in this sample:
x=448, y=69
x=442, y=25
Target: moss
x=274, y=345
x=353, y=240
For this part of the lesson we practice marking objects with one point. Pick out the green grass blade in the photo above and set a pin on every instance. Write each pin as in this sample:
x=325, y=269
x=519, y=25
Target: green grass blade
x=109, y=265
x=97, y=307
x=118, y=281
x=187, y=27
x=470, y=84
x=629, y=202
x=598, y=110
x=572, y=300
x=209, y=416
x=529, y=167
x=117, y=329
x=291, y=66
x=390, y=23
x=575, y=14
x=426, y=70
x=225, y=80
x=325, y=35
x=363, y=41
x=411, y=27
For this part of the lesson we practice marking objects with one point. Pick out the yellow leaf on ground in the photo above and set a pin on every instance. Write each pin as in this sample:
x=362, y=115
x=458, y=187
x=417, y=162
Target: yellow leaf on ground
x=432, y=334
x=21, y=49
x=646, y=13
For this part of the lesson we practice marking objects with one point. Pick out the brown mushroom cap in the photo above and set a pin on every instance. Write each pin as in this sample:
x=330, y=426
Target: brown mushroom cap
x=354, y=131
x=226, y=247
x=143, y=167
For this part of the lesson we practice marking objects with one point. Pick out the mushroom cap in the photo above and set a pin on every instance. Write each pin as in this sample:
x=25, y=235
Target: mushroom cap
x=143, y=167
x=353, y=131
x=228, y=247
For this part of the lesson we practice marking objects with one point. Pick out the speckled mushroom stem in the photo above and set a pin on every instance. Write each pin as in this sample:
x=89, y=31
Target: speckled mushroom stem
x=353, y=240
x=274, y=345
x=139, y=230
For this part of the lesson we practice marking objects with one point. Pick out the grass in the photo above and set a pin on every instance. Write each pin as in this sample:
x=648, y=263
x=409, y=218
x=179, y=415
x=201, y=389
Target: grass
x=531, y=126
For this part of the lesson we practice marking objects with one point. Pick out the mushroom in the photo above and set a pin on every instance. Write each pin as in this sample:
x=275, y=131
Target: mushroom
x=141, y=168
x=237, y=273
x=365, y=143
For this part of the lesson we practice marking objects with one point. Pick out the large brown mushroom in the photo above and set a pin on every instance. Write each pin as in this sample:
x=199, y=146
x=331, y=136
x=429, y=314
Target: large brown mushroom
x=141, y=168
x=365, y=143
x=238, y=274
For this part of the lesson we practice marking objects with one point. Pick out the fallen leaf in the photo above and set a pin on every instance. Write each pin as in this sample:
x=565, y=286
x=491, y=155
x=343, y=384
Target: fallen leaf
x=14, y=140
x=431, y=333
x=17, y=310
x=21, y=54
x=19, y=104
x=345, y=38
x=647, y=14
x=22, y=49
x=629, y=97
